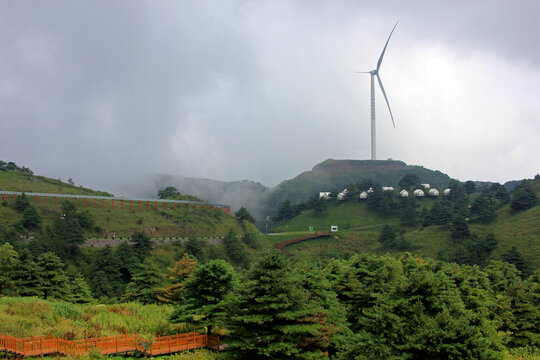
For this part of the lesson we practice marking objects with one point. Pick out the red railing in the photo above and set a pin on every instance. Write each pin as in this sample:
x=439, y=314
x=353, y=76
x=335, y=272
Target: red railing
x=283, y=244
x=49, y=345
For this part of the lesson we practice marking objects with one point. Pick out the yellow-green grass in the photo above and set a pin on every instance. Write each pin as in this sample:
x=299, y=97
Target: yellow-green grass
x=348, y=215
x=23, y=317
x=18, y=181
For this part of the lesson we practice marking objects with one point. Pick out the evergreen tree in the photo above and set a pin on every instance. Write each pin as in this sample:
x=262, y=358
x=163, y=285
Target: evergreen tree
x=421, y=316
x=26, y=276
x=30, y=219
x=194, y=247
x=243, y=215
x=79, y=290
x=273, y=316
x=52, y=280
x=204, y=295
x=500, y=193
x=387, y=237
x=285, y=211
x=320, y=206
x=523, y=198
x=21, y=203
x=142, y=245
x=513, y=256
x=145, y=284
x=470, y=187
x=235, y=249
x=250, y=239
x=8, y=261
x=458, y=198
x=485, y=209
x=409, y=180
x=106, y=278
x=459, y=229
x=441, y=213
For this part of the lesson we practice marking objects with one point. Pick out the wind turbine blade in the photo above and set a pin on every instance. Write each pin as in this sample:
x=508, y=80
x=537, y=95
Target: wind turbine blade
x=362, y=72
x=385, y=45
x=385, y=98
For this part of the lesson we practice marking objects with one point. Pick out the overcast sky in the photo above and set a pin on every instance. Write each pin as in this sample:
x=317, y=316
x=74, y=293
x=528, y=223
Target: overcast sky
x=103, y=91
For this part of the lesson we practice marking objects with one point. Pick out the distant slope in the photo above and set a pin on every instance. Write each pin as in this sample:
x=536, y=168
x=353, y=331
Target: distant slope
x=359, y=229
x=336, y=174
x=262, y=201
x=115, y=222
x=12, y=180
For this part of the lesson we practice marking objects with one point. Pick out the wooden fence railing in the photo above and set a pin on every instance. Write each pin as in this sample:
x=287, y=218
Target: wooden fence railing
x=283, y=244
x=49, y=345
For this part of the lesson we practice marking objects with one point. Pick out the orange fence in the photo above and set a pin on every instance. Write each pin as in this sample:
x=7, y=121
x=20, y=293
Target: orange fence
x=283, y=244
x=48, y=345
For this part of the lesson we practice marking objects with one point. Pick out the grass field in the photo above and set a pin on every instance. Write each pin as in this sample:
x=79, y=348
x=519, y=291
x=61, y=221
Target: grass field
x=18, y=181
x=359, y=229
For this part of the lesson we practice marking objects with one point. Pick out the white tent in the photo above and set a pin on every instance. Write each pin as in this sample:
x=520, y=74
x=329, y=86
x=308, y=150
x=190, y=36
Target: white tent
x=419, y=193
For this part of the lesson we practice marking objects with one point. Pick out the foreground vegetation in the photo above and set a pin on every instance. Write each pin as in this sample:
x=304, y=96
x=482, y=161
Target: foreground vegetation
x=343, y=308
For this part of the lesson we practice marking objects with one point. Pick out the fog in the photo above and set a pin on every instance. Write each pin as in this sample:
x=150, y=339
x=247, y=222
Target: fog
x=109, y=92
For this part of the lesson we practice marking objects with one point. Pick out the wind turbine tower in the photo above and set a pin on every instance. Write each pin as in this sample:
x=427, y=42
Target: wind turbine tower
x=375, y=73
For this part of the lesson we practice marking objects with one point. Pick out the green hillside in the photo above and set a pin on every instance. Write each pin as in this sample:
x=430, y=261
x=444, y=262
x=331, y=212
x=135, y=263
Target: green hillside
x=359, y=229
x=337, y=174
x=16, y=180
x=108, y=222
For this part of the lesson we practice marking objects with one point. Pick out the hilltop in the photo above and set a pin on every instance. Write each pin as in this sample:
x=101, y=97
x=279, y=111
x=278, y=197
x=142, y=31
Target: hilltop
x=333, y=174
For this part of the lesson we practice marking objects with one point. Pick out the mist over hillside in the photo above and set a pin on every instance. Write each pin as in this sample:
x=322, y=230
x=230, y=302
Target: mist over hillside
x=263, y=201
x=236, y=194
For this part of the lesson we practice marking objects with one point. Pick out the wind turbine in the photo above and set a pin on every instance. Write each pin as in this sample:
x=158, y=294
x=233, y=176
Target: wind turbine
x=373, y=74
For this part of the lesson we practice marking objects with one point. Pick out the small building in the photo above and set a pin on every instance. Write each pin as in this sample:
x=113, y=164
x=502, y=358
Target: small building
x=342, y=195
x=370, y=190
x=404, y=193
x=363, y=195
x=426, y=186
x=447, y=192
x=419, y=193
x=433, y=192
x=387, y=188
x=324, y=195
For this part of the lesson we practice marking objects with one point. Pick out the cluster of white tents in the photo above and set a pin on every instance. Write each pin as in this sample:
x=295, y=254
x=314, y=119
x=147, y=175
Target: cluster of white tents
x=403, y=193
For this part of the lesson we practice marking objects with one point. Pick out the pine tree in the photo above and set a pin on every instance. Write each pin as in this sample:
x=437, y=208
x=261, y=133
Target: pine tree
x=387, y=237
x=459, y=229
x=204, y=295
x=273, y=316
x=79, y=289
x=26, y=275
x=30, y=219
x=52, y=280
x=142, y=245
x=235, y=249
x=145, y=284
x=8, y=261
x=194, y=247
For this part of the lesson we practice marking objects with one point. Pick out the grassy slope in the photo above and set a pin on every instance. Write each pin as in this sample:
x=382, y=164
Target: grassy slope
x=161, y=223
x=18, y=181
x=24, y=317
x=359, y=229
